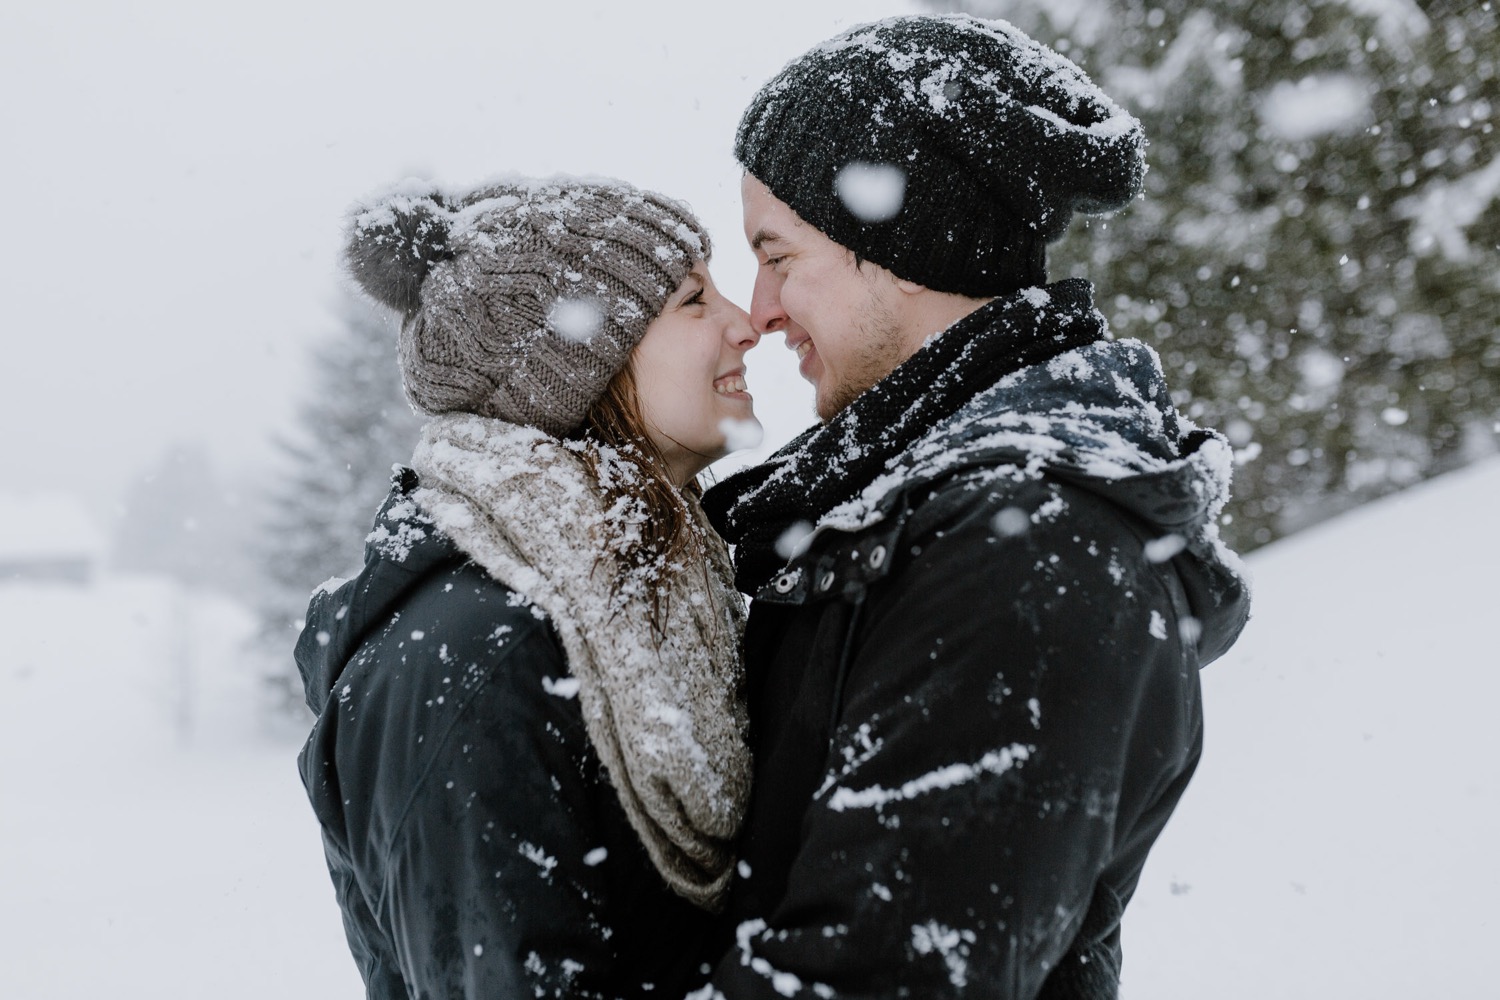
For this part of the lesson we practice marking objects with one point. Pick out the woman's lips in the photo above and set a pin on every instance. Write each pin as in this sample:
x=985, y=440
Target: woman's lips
x=730, y=385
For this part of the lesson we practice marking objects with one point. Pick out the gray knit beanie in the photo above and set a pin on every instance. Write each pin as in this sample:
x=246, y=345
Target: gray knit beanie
x=521, y=300
x=946, y=149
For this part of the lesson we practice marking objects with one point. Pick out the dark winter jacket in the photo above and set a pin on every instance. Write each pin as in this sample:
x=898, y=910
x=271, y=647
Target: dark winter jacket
x=476, y=845
x=974, y=691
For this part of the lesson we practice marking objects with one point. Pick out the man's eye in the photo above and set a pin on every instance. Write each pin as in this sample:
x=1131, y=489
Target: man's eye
x=773, y=261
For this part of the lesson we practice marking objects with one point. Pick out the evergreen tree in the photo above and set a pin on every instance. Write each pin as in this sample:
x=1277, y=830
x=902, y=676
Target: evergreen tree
x=180, y=520
x=1317, y=253
x=352, y=428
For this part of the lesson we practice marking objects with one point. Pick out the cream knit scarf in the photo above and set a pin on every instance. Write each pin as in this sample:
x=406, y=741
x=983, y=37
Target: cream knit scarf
x=665, y=712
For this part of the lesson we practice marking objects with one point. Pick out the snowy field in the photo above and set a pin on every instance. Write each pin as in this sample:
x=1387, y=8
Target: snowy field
x=1336, y=843
x=1339, y=837
x=139, y=858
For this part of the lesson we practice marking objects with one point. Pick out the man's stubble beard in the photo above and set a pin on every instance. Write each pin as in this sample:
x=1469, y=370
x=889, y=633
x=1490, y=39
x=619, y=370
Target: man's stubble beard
x=882, y=349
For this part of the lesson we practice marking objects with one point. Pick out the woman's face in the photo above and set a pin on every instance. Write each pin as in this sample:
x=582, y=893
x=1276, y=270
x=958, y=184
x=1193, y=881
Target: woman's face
x=690, y=373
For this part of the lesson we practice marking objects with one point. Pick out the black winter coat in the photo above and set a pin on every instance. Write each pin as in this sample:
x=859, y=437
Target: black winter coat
x=477, y=847
x=974, y=710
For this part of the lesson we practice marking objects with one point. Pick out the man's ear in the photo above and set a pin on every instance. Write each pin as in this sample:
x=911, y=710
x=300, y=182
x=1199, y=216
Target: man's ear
x=909, y=287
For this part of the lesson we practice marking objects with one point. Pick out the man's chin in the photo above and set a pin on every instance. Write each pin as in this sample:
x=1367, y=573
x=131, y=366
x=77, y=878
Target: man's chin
x=822, y=405
x=831, y=404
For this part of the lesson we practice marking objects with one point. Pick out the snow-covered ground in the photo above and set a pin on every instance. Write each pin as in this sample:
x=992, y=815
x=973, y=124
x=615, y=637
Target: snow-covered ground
x=140, y=857
x=1340, y=837
x=1336, y=843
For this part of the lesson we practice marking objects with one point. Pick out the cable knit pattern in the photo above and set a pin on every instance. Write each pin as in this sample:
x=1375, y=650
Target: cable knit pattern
x=521, y=299
x=665, y=712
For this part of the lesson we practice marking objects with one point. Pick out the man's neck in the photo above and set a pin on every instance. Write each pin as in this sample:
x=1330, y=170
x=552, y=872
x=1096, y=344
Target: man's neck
x=933, y=312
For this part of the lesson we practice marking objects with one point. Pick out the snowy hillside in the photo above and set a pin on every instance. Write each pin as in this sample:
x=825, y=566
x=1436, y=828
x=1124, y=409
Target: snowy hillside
x=1336, y=842
x=1339, y=838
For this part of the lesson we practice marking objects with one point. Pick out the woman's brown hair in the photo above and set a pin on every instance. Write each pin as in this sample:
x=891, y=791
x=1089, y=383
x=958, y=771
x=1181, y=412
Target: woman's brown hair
x=632, y=472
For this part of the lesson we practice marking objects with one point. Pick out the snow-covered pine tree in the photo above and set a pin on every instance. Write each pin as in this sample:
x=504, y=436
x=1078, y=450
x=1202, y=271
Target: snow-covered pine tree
x=1317, y=255
x=353, y=426
x=180, y=520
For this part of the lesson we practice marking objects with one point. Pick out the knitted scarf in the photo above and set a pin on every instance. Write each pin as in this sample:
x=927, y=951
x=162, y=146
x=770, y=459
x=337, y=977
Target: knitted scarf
x=833, y=462
x=664, y=711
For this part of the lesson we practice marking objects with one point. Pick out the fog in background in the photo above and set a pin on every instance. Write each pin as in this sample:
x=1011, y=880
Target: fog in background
x=178, y=174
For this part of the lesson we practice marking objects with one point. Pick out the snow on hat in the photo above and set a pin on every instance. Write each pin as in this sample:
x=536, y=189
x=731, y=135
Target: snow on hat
x=521, y=299
x=947, y=149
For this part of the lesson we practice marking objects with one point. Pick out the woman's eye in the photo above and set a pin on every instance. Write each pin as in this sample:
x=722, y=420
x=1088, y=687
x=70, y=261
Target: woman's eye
x=696, y=299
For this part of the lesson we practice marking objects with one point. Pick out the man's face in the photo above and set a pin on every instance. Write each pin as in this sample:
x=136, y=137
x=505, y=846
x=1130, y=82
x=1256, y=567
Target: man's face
x=841, y=319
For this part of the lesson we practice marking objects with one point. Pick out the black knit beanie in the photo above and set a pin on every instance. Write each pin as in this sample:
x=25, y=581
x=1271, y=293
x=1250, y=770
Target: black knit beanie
x=946, y=149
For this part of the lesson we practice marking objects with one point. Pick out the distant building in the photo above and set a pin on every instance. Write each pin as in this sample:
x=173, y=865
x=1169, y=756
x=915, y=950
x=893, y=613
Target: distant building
x=48, y=538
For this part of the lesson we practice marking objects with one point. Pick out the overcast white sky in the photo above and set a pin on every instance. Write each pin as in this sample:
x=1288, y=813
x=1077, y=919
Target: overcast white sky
x=178, y=175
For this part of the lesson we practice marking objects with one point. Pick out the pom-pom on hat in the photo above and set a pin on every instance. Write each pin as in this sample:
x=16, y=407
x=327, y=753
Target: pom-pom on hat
x=521, y=300
x=947, y=149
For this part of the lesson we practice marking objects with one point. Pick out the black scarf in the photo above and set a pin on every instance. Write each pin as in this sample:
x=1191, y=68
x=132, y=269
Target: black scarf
x=833, y=462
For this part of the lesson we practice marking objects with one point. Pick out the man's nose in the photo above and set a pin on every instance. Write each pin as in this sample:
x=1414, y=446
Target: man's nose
x=766, y=314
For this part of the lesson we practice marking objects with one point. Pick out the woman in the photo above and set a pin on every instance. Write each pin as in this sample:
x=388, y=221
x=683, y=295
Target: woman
x=529, y=761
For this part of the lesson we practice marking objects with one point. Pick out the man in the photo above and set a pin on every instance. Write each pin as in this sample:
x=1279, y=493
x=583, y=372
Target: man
x=984, y=585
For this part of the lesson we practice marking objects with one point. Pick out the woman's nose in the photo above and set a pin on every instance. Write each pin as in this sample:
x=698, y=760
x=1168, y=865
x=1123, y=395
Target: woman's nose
x=738, y=330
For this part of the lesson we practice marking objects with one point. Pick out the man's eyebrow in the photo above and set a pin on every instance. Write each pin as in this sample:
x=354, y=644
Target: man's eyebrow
x=764, y=236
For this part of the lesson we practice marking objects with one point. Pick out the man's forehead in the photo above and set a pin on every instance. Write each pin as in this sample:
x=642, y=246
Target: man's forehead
x=761, y=202
x=769, y=221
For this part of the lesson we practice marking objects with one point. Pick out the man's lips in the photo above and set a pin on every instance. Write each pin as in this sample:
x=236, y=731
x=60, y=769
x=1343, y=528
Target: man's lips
x=806, y=357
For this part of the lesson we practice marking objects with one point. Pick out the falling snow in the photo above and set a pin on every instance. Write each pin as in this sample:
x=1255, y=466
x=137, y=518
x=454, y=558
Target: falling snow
x=576, y=320
x=740, y=435
x=872, y=192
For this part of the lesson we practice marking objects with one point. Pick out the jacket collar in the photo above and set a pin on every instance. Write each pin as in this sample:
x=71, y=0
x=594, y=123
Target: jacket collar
x=400, y=550
x=1097, y=416
x=854, y=453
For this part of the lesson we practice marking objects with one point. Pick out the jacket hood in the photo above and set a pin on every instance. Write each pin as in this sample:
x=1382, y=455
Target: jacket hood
x=1100, y=418
x=402, y=548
